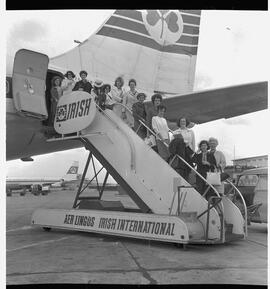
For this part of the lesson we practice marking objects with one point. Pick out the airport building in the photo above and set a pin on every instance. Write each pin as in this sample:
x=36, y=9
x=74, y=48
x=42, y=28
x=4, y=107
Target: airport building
x=258, y=161
x=240, y=165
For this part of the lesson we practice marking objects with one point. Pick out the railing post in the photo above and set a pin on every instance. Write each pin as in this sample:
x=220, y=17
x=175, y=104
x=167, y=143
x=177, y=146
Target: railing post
x=104, y=184
x=82, y=180
x=243, y=201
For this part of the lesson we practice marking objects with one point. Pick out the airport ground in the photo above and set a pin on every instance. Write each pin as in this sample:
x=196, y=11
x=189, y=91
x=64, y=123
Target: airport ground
x=34, y=256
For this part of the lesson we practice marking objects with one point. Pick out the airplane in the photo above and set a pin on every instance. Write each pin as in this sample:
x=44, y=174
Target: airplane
x=158, y=48
x=13, y=184
x=129, y=43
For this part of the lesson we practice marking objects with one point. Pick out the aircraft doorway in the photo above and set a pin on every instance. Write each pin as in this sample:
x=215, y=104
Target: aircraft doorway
x=49, y=77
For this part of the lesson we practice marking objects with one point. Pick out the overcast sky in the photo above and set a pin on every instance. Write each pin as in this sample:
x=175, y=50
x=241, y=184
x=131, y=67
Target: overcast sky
x=233, y=49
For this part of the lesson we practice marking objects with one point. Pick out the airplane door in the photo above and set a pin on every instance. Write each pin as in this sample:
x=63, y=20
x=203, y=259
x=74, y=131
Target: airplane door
x=29, y=83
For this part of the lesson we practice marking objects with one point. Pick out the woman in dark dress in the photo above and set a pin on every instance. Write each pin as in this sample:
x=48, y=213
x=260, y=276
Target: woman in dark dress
x=205, y=162
x=178, y=147
x=139, y=113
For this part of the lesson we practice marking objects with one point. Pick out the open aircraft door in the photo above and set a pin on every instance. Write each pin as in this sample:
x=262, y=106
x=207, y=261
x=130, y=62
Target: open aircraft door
x=29, y=83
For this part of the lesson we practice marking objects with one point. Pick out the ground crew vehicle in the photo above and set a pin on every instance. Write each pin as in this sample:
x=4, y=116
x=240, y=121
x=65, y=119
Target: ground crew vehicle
x=253, y=186
x=38, y=189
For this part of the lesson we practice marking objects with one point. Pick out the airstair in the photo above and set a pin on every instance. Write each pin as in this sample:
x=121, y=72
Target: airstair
x=169, y=208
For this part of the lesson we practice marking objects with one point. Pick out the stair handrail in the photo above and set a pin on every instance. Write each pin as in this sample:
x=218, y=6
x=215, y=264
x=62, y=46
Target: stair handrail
x=210, y=185
x=124, y=106
x=216, y=192
x=176, y=155
x=243, y=201
x=153, y=133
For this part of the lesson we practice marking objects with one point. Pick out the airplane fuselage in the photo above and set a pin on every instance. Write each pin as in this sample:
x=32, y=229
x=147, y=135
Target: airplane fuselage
x=26, y=136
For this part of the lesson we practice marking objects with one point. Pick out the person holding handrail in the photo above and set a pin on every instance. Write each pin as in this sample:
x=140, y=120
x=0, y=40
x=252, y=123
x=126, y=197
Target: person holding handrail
x=106, y=100
x=117, y=93
x=178, y=148
x=188, y=134
x=139, y=114
x=152, y=111
x=205, y=162
x=189, y=138
x=130, y=97
x=96, y=91
x=160, y=127
x=219, y=156
x=220, y=160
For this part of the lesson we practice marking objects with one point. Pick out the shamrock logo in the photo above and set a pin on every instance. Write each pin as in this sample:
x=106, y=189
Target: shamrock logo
x=165, y=26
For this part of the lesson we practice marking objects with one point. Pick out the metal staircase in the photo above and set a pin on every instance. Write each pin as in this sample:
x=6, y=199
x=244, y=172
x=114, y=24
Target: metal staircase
x=172, y=209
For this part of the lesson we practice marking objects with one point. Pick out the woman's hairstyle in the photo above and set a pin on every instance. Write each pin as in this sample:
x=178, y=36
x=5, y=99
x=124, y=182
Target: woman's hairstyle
x=141, y=94
x=156, y=95
x=105, y=86
x=54, y=79
x=160, y=107
x=213, y=139
x=179, y=119
x=120, y=79
x=132, y=80
x=204, y=142
x=69, y=72
x=83, y=72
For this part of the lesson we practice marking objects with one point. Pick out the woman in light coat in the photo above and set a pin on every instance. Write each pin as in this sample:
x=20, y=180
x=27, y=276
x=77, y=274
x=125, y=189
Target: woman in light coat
x=68, y=83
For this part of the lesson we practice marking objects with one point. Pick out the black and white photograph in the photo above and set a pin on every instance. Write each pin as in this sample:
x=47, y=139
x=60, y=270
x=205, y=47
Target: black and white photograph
x=136, y=147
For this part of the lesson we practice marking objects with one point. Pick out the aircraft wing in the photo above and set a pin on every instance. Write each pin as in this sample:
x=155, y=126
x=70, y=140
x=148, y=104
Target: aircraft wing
x=209, y=105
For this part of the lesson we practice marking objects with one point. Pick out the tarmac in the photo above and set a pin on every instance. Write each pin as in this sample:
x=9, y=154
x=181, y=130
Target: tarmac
x=34, y=256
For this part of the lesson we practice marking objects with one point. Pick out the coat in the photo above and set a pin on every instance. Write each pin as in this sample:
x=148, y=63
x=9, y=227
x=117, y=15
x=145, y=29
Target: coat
x=85, y=86
x=202, y=168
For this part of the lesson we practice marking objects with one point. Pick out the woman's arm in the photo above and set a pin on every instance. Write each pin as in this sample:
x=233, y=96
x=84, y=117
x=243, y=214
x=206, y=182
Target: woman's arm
x=195, y=158
x=76, y=87
x=124, y=103
x=222, y=161
x=167, y=128
x=192, y=140
x=64, y=84
x=149, y=116
x=115, y=94
x=155, y=127
x=135, y=112
x=212, y=161
x=54, y=94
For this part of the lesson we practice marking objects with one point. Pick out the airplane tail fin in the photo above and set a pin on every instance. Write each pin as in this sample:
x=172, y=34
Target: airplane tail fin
x=158, y=48
x=72, y=172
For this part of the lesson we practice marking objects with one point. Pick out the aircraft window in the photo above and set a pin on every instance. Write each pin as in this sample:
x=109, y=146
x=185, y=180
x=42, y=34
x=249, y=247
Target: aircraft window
x=249, y=180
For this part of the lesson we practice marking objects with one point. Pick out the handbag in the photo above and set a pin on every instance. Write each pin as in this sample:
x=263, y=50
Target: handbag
x=213, y=178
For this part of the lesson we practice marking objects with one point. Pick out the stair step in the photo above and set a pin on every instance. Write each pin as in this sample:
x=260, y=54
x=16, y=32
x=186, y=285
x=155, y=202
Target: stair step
x=101, y=205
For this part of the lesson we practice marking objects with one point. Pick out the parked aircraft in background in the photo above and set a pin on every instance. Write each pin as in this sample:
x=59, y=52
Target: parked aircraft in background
x=42, y=184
